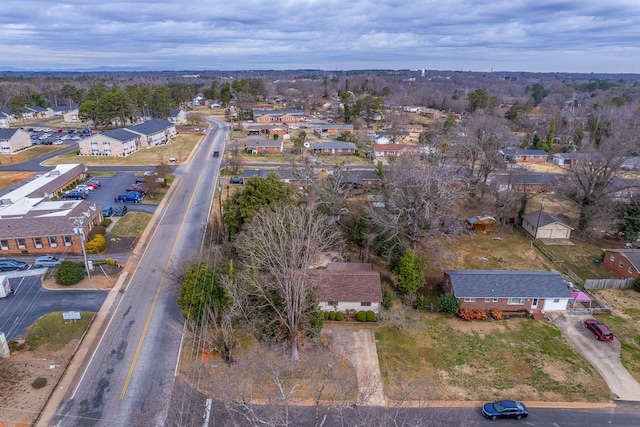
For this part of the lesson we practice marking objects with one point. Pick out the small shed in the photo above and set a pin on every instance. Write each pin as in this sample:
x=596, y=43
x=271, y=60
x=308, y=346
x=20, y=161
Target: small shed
x=482, y=223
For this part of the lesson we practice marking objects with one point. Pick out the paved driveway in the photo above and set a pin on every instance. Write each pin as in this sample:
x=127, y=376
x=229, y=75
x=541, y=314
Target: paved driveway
x=603, y=355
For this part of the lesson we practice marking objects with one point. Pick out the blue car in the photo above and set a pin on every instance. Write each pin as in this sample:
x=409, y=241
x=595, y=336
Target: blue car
x=504, y=409
x=131, y=196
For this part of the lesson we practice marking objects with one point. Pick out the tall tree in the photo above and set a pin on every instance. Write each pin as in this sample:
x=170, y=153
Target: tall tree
x=477, y=100
x=410, y=272
x=284, y=242
x=161, y=101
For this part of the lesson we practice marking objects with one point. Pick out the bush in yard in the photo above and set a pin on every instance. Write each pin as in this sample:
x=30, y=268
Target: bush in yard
x=69, y=273
x=98, y=229
x=96, y=245
x=332, y=315
x=496, y=314
x=636, y=284
x=387, y=296
x=465, y=314
x=371, y=316
x=326, y=315
x=361, y=316
x=339, y=316
x=480, y=315
x=421, y=303
x=106, y=222
x=448, y=304
x=39, y=382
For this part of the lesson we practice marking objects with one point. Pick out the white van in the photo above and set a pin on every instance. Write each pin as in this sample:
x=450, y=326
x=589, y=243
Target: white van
x=5, y=287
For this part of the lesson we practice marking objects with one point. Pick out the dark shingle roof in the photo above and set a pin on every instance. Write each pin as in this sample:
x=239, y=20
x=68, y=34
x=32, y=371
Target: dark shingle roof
x=152, y=126
x=507, y=284
x=7, y=133
x=347, y=285
x=334, y=145
x=120, y=134
x=545, y=218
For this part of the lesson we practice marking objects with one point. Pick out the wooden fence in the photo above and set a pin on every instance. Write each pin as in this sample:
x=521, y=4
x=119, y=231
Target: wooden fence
x=608, y=283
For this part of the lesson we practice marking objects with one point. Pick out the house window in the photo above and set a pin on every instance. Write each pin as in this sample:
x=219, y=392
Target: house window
x=52, y=241
x=21, y=244
x=469, y=300
x=67, y=240
x=620, y=264
x=365, y=304
x=629, y=271
x=515, y=301
x=333, y=303
x=556, y=300
x=4, y=245
x=495, y=300
x=487, y=300
x=612, y=258
x=37, y=241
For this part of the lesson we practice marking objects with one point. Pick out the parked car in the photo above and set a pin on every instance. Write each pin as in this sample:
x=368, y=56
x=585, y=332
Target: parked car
x=107, y=211
x=140, y=187
x=83, y=187
x=120, y=210
x=140, y=179
x=132, y=196
x=236, y=180
x=504, y=409
x=601, y=332
x=91, y=184
x=12, y=264
x=74, y=195
x=94, y=182
x=47, y=261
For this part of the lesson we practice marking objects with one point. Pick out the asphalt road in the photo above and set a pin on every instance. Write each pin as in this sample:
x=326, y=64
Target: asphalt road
x=30, y=301
x=129, y=378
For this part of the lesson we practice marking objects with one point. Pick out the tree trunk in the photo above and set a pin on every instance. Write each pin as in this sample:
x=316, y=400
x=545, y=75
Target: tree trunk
x=294, y=349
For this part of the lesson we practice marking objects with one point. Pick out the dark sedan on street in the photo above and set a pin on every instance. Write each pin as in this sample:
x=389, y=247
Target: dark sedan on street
x=504, y=409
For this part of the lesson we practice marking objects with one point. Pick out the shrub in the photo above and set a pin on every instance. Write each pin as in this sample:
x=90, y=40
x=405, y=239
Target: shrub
x=387, y=296
x=480, y=315
x=332, y=315
x=351, y=311
x=325, y=315
x=39, y=382
x=69, y=273
x=421, y=303
x=106, y=222
x=496, y=314
x=339, y=316
x=465, y=314
x=636, y=284
x=371, y=316
x=448, y=304
x=111, y=261
x=96, y=245
x=361, y=316
x=98, y=229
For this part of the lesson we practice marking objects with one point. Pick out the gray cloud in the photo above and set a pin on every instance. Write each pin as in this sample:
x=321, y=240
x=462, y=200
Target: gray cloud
x=518, y=35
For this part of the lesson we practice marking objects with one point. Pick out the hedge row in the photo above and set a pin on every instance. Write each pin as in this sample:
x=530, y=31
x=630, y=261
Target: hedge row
x=361, y=316
x=469, y=314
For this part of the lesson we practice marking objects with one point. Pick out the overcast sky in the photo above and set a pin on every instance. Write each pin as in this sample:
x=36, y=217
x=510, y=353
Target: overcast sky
x=600, y=36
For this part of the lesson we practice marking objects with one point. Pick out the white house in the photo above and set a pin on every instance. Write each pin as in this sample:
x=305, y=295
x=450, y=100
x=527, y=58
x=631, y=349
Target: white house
x=541, y=225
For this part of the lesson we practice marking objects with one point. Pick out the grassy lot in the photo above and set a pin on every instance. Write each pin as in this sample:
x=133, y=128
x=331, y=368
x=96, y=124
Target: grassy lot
x=579, y=258
x=625, y=325
x=28, y=154
x=517, y=358
x=131, y=225
x=9, y=179
x=52, y=331
x=180, y=148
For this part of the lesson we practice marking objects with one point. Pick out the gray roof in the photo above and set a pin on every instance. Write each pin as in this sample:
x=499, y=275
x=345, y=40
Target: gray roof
x=175, y=112
x=542, y=218
x=152, y=126
x=633, y=255
x=257, y=112
x=507, y=284
x=284, y=174
x=522, y=152
x=334, y=145
x=357, y=176
x=120, y=134
x=7, y=133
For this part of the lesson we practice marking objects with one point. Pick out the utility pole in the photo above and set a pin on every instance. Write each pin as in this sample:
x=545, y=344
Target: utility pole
x=78, y=229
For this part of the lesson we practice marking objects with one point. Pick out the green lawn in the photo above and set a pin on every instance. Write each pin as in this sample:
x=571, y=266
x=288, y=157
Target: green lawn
x=131, y=225
x=52, y=331
x=518, y=358
x=579, y=258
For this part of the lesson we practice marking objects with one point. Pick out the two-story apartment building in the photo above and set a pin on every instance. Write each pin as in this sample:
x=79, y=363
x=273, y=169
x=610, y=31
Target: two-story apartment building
x=13, y=140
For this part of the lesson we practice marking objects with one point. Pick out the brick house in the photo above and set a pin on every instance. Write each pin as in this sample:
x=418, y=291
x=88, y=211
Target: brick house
x=281, y=116
x=264, y=146
x=534, y=291
x=330, y=130
x=346, y=286
x=540, y=225
x=13, y=140
x=622, y=263
x=393, y=150
x=519, y=155
x=525, y=183
x=334, y=148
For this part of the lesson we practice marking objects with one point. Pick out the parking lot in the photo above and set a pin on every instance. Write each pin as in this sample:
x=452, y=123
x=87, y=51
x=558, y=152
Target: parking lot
x=56, y=135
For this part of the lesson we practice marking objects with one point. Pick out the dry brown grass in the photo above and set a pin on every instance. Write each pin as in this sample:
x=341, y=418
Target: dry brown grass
x=9, y=179
x=27, y=154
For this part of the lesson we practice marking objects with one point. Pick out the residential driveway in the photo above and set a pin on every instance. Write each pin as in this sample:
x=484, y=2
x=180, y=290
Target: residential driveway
x=359, y=347
x=603, y=355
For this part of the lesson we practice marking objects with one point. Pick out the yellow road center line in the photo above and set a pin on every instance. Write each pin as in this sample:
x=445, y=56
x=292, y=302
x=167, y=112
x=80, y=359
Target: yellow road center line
x=157, y=295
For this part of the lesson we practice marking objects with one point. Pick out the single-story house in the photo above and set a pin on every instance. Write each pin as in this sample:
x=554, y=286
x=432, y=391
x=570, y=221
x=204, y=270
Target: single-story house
x=286, y=175
x=519, y=155
x=346, y=286
x=177, y=116
x=393, y=150
x=264, y=146
x=526, y=183
x=283, y=116
x=568, y=159
x=268, y=129
x=329, y=130
x=534, y=291
x=623, y=263
x=13, y=140
x=359, y=179
x=36, y=112
x=541, y=225
x=334, y=148
x=481, y=223
x=68, y=113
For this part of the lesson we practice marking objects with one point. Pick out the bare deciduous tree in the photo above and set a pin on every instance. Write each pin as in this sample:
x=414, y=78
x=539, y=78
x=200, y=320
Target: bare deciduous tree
x=284, y=242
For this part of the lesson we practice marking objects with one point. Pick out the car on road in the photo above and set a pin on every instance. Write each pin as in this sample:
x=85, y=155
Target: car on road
x=601, y=332
x=504, y=409
x=120, y=210
x=236, y=180
x=216, y=154
x=47, y=261
x=74, y=195
x=12, y=265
